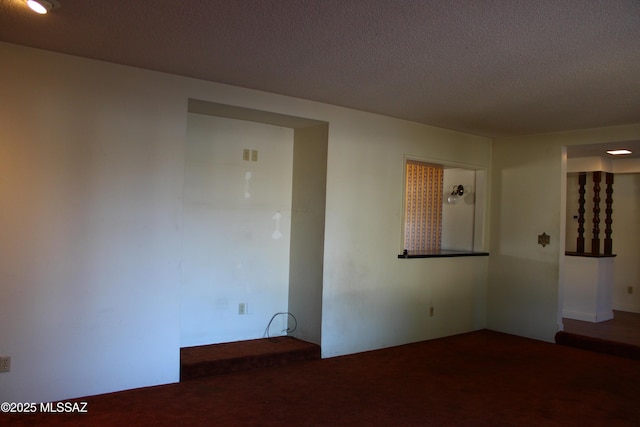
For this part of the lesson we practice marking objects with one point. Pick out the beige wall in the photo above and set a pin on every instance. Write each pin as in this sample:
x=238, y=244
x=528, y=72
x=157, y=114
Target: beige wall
x=307, y=231
x=523, y=276
x=230, y=255
x=528, y=198
x=458, y=219
x=627, y=267
x=626, y=227
x=626, y=242
x=92, y=159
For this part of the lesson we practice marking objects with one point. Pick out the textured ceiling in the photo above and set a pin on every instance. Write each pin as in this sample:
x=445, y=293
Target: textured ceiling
x=487, y=67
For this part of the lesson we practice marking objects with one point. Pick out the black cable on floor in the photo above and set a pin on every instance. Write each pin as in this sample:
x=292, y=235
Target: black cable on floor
x=286, y=330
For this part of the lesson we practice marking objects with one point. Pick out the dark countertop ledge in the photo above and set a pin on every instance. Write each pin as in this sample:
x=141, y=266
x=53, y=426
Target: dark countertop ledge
x=443, y=253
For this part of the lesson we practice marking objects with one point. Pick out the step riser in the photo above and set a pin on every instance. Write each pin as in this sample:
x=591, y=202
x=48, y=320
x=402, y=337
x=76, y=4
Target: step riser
x=628, y=351
x=219, y=359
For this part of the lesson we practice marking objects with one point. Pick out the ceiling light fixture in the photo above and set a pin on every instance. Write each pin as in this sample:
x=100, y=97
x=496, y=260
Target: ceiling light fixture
x=618, y=152
x=42, y=6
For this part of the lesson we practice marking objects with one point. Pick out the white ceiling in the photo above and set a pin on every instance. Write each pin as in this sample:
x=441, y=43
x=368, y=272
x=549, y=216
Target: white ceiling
x=487, y=67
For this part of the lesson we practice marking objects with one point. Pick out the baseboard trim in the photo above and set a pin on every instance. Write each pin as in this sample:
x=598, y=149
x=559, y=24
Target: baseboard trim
x=600, y=316
x=631, y=308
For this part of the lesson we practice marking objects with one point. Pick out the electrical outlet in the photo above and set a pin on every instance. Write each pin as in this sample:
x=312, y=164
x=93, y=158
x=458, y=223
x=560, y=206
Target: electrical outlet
x=254, y=155
x=5, y=364
x=630, y=290
x=246, y=154
x=242, y=308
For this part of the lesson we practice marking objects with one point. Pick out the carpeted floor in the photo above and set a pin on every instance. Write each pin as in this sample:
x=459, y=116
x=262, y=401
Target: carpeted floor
x=597, y=344
x=623, y=328
x=482, y=378
x=216, y=359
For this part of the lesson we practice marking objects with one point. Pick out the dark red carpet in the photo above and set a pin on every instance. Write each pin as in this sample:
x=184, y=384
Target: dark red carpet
x=216, y=359
x=482, y=378
x=600, y=345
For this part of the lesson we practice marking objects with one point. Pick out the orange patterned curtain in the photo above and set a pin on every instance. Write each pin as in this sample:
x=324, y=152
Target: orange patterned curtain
x=423, y=209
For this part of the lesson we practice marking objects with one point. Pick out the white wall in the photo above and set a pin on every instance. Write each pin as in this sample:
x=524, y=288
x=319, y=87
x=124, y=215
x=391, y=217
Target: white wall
x=626, y=242
x=589, y=164
x=458, y=219
x=626, y=229
x=523, y=276
x=588, y=290
x=234, y=251
x=307, y=231
x=91, y=226
x=91, y=164
x=371, y=299
x=528, y=198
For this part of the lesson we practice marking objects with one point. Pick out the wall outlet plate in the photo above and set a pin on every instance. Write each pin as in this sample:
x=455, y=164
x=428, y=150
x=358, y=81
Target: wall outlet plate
x=5, y=363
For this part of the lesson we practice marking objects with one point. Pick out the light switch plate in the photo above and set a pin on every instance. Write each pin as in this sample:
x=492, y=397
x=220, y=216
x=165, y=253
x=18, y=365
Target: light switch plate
x=5, y=364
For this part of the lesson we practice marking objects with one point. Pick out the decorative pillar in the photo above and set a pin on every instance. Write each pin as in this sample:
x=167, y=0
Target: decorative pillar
x=588, y=285
x=582, y=181
x=608, y=242
x=595, y=242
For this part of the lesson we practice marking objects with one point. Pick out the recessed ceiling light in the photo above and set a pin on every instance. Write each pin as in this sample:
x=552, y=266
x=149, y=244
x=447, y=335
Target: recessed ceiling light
x=42, y=6
x=618, y=152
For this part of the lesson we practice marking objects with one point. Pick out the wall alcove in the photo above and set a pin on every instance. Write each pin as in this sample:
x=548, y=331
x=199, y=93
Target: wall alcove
x=253, y=224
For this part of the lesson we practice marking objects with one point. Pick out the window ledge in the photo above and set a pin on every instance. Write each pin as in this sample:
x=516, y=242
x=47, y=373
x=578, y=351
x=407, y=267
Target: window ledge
x=443, y=253
x=589, y=255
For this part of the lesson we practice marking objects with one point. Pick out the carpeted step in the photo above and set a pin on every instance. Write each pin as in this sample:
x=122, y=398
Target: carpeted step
x=600, y=345
x=216, y=359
